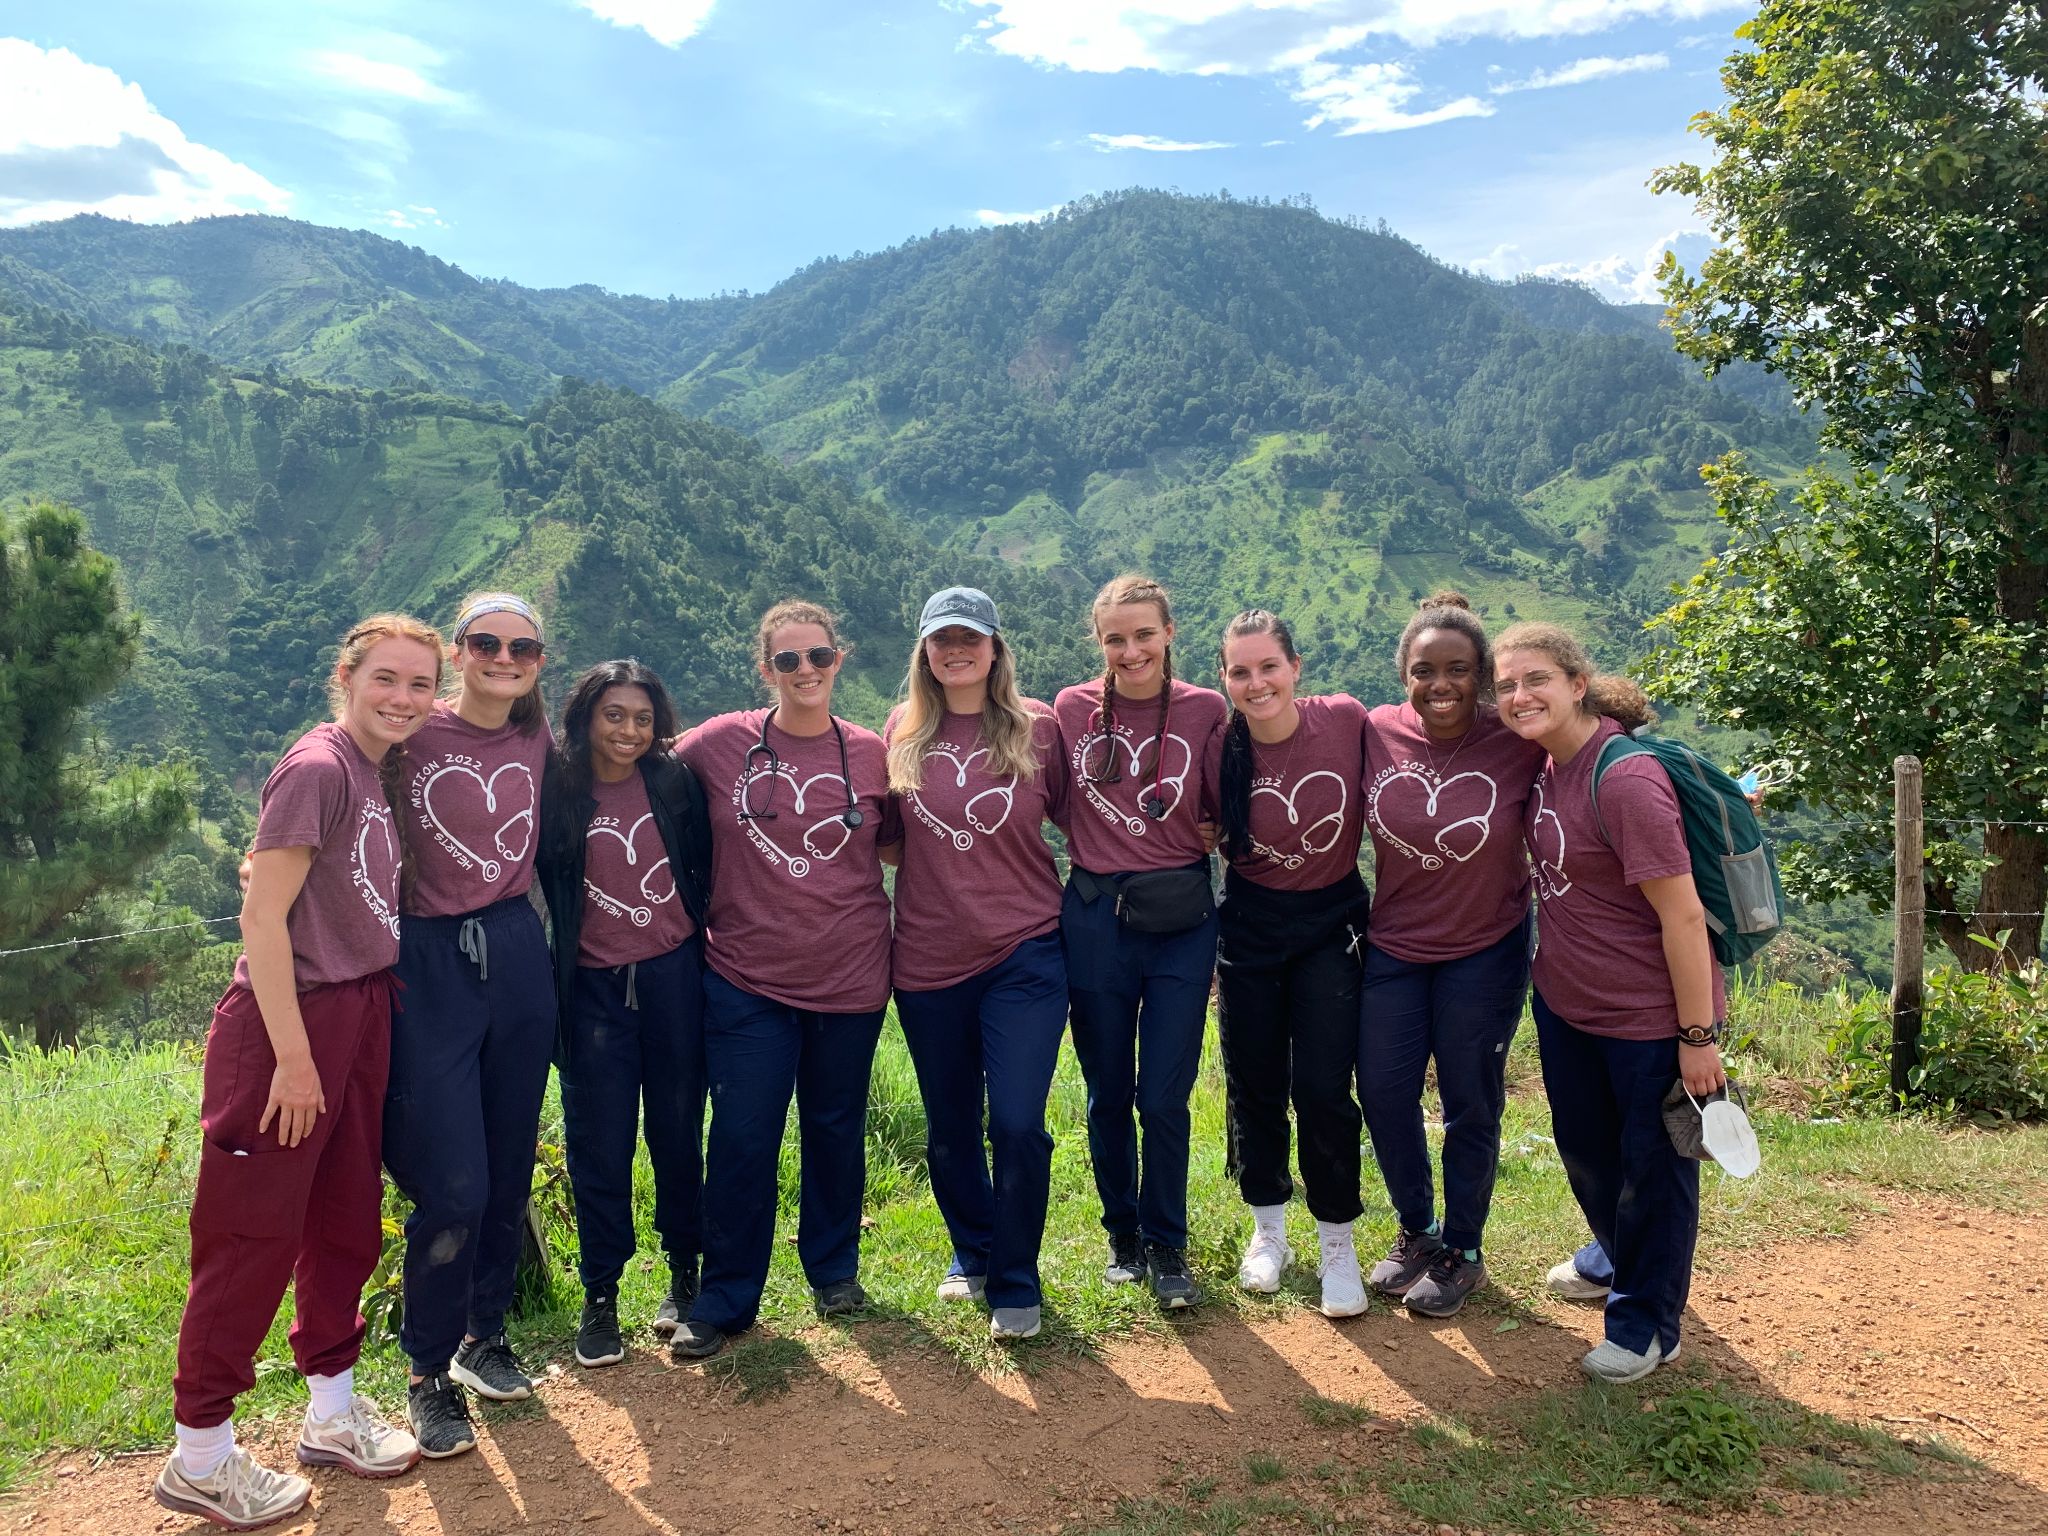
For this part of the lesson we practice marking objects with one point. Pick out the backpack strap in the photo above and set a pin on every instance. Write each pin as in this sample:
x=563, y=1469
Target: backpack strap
x=1612, y=751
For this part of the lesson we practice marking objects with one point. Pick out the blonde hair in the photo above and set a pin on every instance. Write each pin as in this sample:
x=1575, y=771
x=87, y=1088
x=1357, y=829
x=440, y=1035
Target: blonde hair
x=1131, y=588
x=1006, y=725
x=355, y=646
x=528, y=710
x=1618, y=698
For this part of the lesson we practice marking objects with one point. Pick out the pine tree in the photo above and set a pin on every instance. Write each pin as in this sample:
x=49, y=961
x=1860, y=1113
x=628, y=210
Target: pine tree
x=75, y=827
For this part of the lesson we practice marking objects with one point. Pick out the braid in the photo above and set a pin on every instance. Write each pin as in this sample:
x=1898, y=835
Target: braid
x=391, y=770
x=1236, y=788
x=1107, y=708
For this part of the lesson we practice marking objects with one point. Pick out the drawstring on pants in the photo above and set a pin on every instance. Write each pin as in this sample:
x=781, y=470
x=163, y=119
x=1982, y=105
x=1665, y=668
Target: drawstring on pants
x=476, y=944
x=632, y=976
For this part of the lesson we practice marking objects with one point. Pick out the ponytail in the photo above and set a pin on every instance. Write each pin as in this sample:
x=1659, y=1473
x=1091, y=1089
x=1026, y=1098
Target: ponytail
x=1607, y=693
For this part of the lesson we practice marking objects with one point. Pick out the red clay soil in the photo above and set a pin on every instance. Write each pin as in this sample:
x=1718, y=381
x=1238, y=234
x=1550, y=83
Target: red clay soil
x=1926, y=1321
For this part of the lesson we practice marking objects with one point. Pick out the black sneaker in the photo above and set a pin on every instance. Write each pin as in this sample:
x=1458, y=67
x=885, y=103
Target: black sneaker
x=1172, y=1285
x=695, y=1341
x=840, y=1298
x=1126, y=1259
x=1442, y=1290
x=489, y=1366
x=1406, y=1262
x=675, y=1306
x=597, y=1336
x=438, y=1414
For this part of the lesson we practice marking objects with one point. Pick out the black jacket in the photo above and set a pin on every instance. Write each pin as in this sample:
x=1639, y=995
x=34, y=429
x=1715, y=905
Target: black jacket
x=676, y=800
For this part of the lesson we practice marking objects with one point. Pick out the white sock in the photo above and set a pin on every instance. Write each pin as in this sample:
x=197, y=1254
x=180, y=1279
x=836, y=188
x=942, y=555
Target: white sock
x=1334, y=1234
x=201, y=1451
x=1271, y=1220
x=332, y=1394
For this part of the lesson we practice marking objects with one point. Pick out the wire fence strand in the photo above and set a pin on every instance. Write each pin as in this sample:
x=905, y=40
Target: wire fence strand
x=101, y=938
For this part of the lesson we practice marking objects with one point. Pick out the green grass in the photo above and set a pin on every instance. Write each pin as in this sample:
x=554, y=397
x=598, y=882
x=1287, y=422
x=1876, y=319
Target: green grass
x=97, y=1150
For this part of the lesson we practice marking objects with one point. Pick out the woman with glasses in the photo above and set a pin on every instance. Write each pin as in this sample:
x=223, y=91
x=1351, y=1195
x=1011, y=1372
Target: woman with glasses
x=474, y=1022
x=796, y=978
x=1139, y=921
x=981, y=987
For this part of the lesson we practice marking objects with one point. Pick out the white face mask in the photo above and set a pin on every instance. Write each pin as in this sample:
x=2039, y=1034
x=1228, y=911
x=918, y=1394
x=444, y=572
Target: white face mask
x=1730, y=1138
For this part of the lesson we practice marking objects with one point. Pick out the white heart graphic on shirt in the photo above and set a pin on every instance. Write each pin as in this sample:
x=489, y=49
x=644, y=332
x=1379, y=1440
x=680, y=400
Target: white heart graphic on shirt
x=641, y=916
x=1097, y=750
x=519, y=824
x=1457, y=840
x=1328, y=827
x=1003, y=794
x=375, y=838
x=1546, y=842
x=800, y=795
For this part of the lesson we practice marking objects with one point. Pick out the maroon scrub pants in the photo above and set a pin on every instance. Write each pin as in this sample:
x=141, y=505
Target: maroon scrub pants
x=265, y=1214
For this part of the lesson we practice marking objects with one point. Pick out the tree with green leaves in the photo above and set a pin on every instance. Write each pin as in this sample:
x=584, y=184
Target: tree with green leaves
x=1881, y=207
x=75, y=829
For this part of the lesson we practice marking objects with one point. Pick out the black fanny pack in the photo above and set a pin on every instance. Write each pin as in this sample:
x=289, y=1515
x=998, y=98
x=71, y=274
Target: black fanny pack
x=1155, y=900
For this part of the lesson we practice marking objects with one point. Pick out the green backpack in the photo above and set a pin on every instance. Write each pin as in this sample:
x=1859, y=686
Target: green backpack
x=1732, y=867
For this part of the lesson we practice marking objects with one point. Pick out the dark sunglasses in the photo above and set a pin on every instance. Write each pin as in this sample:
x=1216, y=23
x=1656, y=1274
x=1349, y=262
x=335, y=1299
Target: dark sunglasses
x=819, y=656
x=488, y=646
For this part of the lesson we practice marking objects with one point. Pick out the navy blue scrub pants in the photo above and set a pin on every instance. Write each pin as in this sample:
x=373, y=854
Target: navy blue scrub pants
x=756, y=1053
x=1639, y=1196
x=635, y=1038
x=1138, y=1003
x=471, y=1036
x=993, y=1037
x=1593, y=1264
x=1463, y=1013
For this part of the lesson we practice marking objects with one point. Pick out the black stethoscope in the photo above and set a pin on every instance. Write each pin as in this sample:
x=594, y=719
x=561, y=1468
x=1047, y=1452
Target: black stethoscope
x=1154, y=804
x=851, y=818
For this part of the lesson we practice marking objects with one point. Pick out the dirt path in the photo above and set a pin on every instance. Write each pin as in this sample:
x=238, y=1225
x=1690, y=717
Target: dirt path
x=1928, y=1320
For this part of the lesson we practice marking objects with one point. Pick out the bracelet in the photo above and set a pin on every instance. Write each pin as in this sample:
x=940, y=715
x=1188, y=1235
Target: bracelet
x=1699, y=1034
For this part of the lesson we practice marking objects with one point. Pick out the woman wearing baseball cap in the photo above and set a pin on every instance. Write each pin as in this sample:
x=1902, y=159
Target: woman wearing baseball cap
x=981, y=984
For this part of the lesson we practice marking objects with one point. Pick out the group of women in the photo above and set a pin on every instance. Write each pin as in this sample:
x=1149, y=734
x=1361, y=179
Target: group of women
x=722, y=934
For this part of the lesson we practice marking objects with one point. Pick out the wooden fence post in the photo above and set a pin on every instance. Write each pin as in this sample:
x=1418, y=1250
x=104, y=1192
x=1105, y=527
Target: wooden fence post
x=1909, y=920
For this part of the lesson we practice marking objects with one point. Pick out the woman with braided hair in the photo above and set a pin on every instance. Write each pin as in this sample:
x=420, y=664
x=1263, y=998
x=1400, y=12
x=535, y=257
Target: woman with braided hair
x=1139, y=921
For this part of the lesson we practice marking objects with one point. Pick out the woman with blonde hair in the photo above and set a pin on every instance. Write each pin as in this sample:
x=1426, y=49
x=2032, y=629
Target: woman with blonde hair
x=1628, y=998
x=981, y=984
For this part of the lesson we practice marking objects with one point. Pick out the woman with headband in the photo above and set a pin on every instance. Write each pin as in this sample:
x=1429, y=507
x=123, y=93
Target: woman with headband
x=474, y=1026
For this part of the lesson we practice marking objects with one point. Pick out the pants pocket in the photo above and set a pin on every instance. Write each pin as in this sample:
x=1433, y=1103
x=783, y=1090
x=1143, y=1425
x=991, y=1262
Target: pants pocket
x=256, y=1193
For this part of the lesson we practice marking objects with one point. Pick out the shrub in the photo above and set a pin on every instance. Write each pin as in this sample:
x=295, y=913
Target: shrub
x=1983, y=1048
x=1703, y=1443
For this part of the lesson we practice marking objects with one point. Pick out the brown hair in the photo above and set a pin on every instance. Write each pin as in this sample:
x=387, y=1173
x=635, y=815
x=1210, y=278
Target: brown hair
x=1235, y=781
x=1449, y=611
x=529, y=710
x=355, y=645
x=1131, y=588
x=1606, y=694
x=792, y=610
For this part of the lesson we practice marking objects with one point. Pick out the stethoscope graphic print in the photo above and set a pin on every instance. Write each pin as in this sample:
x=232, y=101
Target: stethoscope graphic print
x=1003, y=795
x=1333, y=821
x=640, y=916
x=763, y=763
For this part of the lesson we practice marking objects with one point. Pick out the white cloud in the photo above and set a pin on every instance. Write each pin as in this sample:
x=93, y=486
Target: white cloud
x=1108, y=143
x=77, y=138
x=412, y=216
x=1372, y=98
x=1617, y=278
x=670, y=23
x=992, y=216
x=367, y=75
x=1581, y=71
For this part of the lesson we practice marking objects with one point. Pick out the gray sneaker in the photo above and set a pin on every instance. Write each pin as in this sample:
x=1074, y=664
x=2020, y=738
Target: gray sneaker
x=242, y=1494
x=1172, y=1286
x=1126, y=1260
x=1006, y=1324
x=439, y=1416
x=675, y=1306
x=488, y=1366
x=1442, y=1290
x=959, y=1287
x=1406, y=1262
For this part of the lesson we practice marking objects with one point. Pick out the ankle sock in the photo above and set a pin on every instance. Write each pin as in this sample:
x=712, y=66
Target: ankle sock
x=201, y=1451
x=1471, y=1255
x=1270, y=1220
x=1334, y=1233
x=332, y=1394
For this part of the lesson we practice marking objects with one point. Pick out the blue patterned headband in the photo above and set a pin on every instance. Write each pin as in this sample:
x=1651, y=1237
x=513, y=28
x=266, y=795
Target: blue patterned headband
x=496, y=602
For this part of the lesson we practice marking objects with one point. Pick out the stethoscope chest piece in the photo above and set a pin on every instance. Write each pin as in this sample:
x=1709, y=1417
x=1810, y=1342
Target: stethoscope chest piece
x=853, y=820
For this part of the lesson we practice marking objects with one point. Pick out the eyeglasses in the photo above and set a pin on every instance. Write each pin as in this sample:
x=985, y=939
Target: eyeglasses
x=1530, y=682
x=819, y=656
x=488, y=646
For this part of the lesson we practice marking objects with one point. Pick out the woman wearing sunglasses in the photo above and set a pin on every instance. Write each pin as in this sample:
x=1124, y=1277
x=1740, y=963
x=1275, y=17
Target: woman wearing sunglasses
x=981, y=987
x=474, y=1023
x=796, y=977
x=625, y=857
x=1139, y=921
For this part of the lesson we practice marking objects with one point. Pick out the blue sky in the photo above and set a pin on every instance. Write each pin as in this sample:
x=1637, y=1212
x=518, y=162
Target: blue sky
x=688, y=146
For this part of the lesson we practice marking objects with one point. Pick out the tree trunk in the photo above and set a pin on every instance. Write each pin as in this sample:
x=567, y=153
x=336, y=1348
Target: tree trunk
x=2010, y=898
x=56, y=1029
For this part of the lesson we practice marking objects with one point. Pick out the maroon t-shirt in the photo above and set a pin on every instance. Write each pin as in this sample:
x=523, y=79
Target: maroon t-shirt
x=1450, y=875
x=630, y=907
x=798, y=913
x=977, y=877
x=325, y=795
x=470, y=799
x=1108, y=831
x=1600, y=950
x=1304, y=803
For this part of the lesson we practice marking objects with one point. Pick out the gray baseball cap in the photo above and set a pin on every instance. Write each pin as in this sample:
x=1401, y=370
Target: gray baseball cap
x=958, y=605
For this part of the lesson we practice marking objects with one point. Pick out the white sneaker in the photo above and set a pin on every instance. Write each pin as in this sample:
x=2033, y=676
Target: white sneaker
x=1608, y=1361
x=1265, y=1257
x=1566, y=1281
x=242, y=1493
x=962, y=1287
x=1344, y=1292
x=1007, y=1324
x=359, y=1440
